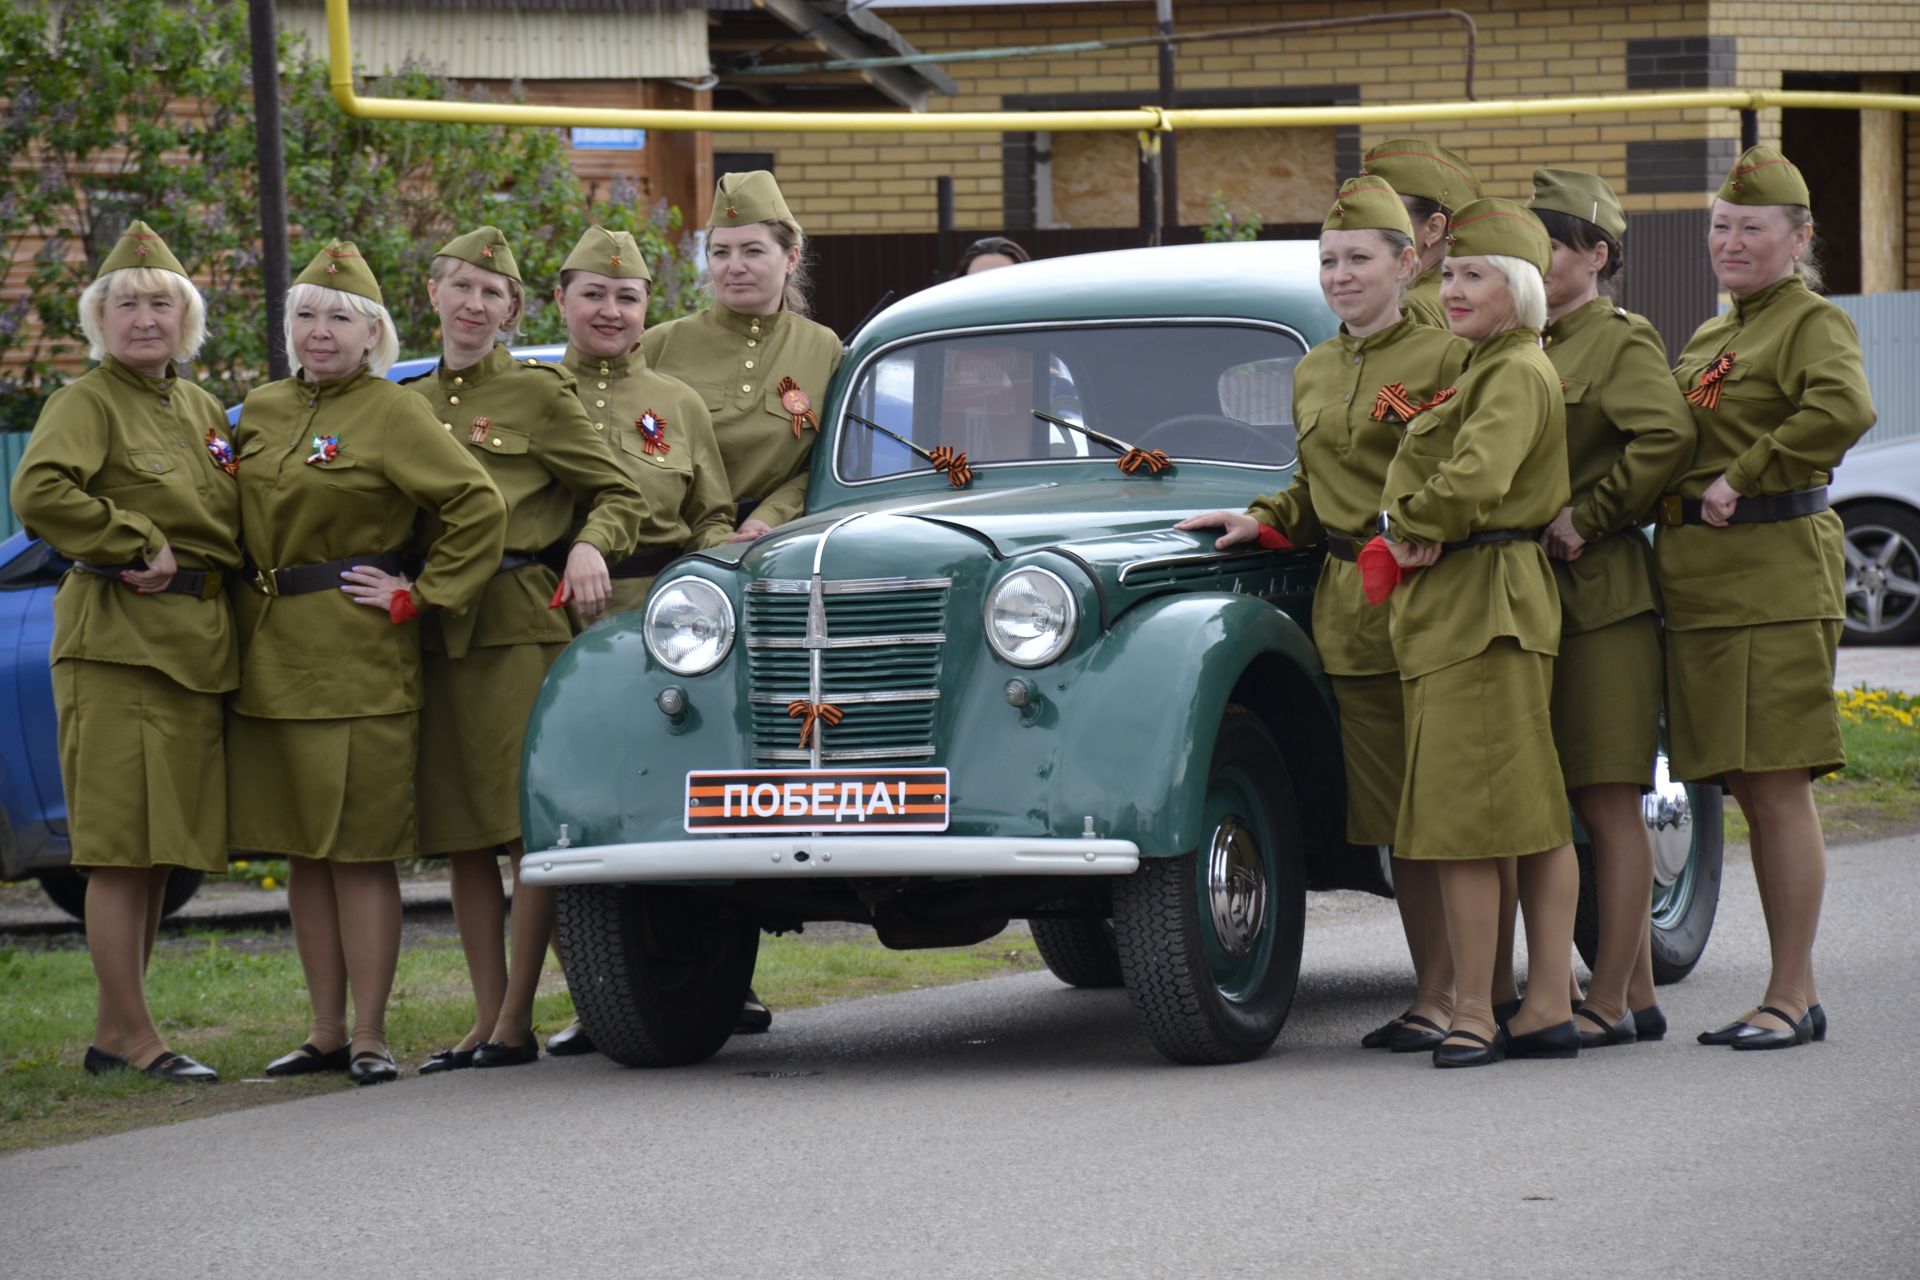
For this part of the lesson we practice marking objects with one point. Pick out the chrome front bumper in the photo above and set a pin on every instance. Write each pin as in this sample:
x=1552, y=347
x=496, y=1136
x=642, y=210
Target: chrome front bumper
x=790, y=857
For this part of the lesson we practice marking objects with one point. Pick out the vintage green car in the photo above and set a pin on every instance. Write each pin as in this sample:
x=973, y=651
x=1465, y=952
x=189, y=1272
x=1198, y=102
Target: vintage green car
x=983, y=679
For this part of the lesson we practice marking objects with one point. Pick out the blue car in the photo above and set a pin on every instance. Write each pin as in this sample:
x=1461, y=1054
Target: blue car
x=33, y=808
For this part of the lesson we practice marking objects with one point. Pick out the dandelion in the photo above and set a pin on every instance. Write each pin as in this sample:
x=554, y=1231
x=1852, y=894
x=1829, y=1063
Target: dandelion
x=268, y=882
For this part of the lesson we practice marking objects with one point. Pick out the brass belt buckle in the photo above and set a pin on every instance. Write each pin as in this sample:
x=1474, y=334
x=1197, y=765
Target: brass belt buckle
x=1671, y=510
x=210, y=585
x=263, y=583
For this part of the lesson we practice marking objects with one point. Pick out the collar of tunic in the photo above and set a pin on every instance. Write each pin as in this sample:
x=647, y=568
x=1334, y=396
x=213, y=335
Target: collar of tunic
x=586, y=366
x=1577, y=319
x=1503, y=341
x=159, y=388
x=333, y=389
x=1753, y=304
x=746, y=325
x=496, y=362
x=1379, y=338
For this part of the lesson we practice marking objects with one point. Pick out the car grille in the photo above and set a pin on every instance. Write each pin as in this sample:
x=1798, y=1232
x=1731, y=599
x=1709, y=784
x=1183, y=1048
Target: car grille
x=879, y=666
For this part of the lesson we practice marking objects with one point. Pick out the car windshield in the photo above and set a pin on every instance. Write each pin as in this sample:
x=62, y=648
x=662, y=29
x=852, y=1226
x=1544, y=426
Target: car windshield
x=1197, y=391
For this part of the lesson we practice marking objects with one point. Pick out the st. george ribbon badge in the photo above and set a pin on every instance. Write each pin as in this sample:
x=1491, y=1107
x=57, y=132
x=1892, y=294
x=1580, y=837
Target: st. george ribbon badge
x=653, y=432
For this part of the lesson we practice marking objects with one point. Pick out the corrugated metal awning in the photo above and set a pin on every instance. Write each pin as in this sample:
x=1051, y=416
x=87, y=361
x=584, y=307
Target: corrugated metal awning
x=792, y=31
x=527, y=40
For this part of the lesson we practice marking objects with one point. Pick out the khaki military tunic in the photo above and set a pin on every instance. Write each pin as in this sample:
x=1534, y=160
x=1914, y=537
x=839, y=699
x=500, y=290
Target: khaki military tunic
x=1754, y=610
x=120, y=466
x=1345, y=393
x=324, y=728
x=1422, y=300
x=736, y=364
x=689, y=504
x=1474, y=634
x=1628, y=433
x=523, y=423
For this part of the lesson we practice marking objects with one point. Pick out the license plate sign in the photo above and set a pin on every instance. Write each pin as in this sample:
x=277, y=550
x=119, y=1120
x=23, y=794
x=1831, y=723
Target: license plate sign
x=854, y=800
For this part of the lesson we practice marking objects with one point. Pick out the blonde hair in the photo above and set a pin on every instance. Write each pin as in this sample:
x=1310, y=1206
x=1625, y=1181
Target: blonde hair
x=446, y=264
x=135, y=280
x=1527, y=288
x=386, y=343
x=1807, y=265
x=792, y=240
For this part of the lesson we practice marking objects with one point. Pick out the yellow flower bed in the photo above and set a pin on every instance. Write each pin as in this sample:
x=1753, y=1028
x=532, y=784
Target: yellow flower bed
x=1861, y=705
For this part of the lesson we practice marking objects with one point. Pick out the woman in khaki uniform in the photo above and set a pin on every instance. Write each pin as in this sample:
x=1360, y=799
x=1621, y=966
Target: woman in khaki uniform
x=1432, y=182
x=1628, y=433
x=1475, y=625
x=1752, y=567
x=660, y=429
x=522, y=422
x=759, y=365
x=1352, y=396
x=335, y=464
x=130, y=474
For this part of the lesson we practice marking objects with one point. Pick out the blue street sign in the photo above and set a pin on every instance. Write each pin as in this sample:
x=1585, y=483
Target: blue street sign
x=610, y=139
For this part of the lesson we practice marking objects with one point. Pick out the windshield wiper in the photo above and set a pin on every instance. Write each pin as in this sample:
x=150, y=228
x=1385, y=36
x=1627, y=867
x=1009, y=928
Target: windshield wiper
x=959, y=474
x=1130, y=460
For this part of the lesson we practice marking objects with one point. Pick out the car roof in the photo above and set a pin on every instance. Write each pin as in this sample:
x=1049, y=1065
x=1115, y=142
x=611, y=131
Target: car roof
x=1270, y=279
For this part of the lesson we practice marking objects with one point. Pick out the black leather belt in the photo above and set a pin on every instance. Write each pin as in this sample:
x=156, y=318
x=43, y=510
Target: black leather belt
x=516, y=560
x=743, y=509
x=1342, y=547
x=644, y=564
x=203, y=583
x=1765, y=508
x=303, y=579
x=1491, y=535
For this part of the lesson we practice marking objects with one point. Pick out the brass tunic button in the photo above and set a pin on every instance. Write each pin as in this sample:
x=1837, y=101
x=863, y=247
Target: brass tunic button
x=599, y=404
x=599, y=426
x=1346, y=399
x=749, y=364
x=459, y=382
x=603, y=386
x=453, y=399
x=164, y=402
x=752, y=342
x=745, y=387
x=447, y=425
x=158, y=467
x=496, y=442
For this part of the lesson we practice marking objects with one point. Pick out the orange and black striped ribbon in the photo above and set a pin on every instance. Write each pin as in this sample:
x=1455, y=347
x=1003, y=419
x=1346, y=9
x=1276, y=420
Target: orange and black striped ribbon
x=809, y=712
x=1441, y=397
x=1154, y=460
x=944, y=458
x=1707, y=393
x=1393, y=398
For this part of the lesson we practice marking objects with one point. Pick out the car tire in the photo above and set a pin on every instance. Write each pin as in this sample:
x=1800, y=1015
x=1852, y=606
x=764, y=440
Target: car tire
x=68, y=889
x=1883, y=574
x=1211, y=972
x=657, y=974
x=1078, y=950
x=1686, y=883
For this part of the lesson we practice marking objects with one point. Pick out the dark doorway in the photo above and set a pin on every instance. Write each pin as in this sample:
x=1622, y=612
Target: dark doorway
x=1826, y=146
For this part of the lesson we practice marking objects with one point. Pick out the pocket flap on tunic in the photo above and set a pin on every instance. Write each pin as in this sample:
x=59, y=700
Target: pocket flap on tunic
x=1573, y=390
x=503, y=440
x=152, y=462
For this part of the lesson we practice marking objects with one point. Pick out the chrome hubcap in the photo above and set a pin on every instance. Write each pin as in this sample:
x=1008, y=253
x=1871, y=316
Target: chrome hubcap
x=1236, y=887
x=1883, y=578
x=1669, y=815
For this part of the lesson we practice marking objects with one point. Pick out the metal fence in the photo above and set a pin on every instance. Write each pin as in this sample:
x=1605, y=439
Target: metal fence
x=1889, y=325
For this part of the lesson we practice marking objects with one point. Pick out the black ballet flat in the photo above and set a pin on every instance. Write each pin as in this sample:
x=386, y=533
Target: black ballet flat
x=1625, y=1031
x=754, y=1016
x=1409, y=1037
x=308, y=1060
x=447, y=1060
x=98, y=1063
x=372, y=1067
x=1796, y=1032
x=488, y=1053
x=1650, y=1023
x=1481, y=1053
x=1382, y=1036
x=1817, y=1018
x=180, y=1069
x=570, y=1041
x=1504, y=1011
x=1562, y=1040
x=1721, y=1035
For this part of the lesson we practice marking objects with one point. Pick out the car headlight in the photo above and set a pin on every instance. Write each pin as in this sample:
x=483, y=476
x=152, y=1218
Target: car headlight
x=689, y=626
x=1030, y=617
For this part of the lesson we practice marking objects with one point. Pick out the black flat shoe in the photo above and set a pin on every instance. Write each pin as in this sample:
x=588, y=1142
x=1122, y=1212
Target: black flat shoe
x=1416, y=1034
x=1817, y=1017
x=98, y=1063
x=1625, y=1031
x=1650, y=1023
x=308, y=1059
x=490, y=1054
x=754, y=1016
x=1562, y=1040
x=570, y=1041
x=1481, y=1053
x=1504, y=1011
x=1382, y=1036
x=1752, y=1037
x=180, y=1069
x=448, y=1060
x=369, y=1067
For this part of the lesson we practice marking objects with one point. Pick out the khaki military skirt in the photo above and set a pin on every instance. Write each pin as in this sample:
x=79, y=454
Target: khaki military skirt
x=143, y=761
x=470, y=737
x=1483, y=780
x=335, y=789
x=1606, y=703
x=1756, y=699
x=1373, y=741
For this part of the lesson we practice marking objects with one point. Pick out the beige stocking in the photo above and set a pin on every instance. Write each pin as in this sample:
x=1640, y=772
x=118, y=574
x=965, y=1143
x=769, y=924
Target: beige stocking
x=156, y=903
x=532, y=932
x=369, y=896
x=1795, y=856
x=1549, y=896
x=315, y=910
x=1623, y=883
x=1504, y=987
x=1416, y=889
x=117, y=914
x=480, y=911
x=1470, y=896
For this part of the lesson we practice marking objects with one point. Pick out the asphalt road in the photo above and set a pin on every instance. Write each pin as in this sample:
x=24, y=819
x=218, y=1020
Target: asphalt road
x=1014, y=1127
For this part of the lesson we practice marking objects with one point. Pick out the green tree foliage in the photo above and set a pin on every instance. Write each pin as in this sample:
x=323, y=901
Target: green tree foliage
x=1223, y=224
x=127, y=109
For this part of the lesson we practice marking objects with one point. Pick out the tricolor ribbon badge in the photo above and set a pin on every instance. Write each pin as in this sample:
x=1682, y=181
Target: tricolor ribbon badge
x=325, y=450
x=222, y=452
x=653, y=432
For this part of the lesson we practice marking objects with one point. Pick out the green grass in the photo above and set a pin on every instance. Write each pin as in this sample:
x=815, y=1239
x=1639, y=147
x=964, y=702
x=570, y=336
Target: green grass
x=236, y=1001
x=1878, y=793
